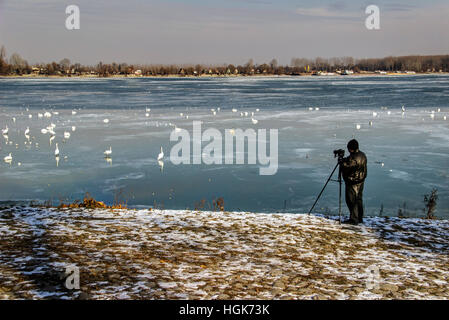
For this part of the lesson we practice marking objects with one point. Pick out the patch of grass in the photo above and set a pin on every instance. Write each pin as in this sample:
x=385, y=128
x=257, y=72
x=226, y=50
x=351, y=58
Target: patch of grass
x=430, y=201
x=217, y=205
x=90, y=203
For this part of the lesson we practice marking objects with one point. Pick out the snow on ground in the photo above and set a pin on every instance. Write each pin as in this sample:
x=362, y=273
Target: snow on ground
x=142, y=254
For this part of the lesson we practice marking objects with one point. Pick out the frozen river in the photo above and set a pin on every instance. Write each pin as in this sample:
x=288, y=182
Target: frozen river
x=408, y=152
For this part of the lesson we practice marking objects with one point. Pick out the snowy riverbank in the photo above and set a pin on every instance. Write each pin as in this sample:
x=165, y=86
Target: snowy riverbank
x=127, y=254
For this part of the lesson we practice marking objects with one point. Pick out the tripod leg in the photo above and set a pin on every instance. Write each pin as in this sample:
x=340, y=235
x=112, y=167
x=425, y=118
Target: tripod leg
x=328, y=179
x=339, y=196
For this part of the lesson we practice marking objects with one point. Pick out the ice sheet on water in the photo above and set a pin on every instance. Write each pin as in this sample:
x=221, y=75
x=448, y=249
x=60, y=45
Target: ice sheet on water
x=136, y=140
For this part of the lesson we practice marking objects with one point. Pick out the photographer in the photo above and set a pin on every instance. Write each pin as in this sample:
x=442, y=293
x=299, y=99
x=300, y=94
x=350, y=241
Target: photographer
x=354, y=171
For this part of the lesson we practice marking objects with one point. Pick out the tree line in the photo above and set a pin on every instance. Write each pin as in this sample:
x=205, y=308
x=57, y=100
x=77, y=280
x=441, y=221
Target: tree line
x=16, y=65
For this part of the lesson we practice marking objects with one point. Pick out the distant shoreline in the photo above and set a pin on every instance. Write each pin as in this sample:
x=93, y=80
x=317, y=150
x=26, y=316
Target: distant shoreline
x=368, y=74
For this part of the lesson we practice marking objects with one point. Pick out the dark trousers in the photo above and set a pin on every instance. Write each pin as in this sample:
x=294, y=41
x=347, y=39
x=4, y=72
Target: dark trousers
x=354, y=201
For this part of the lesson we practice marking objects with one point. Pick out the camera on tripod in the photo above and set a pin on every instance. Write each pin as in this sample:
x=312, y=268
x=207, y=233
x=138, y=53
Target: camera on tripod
x=340, y=153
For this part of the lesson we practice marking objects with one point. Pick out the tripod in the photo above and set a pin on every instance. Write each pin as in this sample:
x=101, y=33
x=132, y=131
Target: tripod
x=330, y=179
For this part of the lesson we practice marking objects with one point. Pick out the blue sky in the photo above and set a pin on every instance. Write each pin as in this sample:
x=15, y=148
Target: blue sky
x=217, y=31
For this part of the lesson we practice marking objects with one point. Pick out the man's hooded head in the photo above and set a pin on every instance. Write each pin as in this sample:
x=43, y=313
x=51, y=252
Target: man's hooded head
x=353, y=145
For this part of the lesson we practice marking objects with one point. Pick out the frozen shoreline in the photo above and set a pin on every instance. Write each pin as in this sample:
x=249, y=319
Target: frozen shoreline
x=169, y=254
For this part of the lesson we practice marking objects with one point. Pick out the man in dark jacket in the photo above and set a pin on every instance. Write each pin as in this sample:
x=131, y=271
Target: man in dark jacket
x=354, y=171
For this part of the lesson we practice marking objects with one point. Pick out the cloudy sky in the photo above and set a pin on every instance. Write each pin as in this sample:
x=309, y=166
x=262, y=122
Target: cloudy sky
x=220, y=31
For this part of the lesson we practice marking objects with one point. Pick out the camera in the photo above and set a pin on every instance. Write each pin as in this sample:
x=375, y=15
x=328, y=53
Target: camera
x=340, y=153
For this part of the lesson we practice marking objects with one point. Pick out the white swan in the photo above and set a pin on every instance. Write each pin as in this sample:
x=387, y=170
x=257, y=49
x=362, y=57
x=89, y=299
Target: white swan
x=44, y=131
x=358, y=126
x=254, y=121
x=57, y=150
x=73, y=112
x=108, y=153
x=106, y=120
x=66, y=135
x=161, y=155
x=40, y=115
x=8, y=158
x=5, y=131
x=403, y=108
x=47, y=114
x=234, y=110
x=27, y=131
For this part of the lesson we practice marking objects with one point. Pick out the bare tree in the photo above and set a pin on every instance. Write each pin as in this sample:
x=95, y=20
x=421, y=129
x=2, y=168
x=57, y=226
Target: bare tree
x=18, y=64
x=3, y=63
x=2, y=53
x=64, y=63
x=17, y=61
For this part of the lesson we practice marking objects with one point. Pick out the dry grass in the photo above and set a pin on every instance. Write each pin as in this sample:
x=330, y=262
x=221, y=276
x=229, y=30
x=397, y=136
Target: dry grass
x=90, y=203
